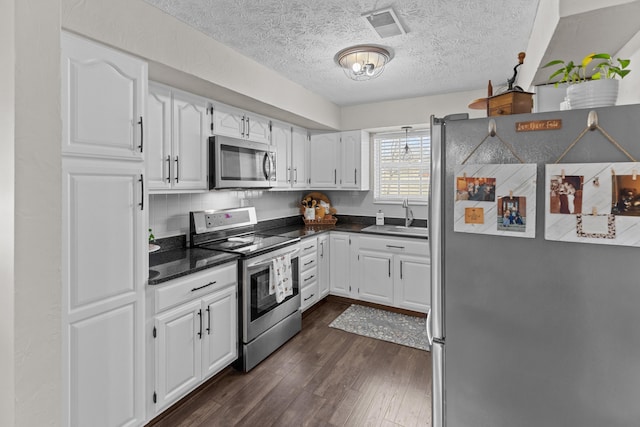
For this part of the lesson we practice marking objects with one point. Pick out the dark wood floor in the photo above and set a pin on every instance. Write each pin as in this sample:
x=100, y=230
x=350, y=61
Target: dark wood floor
x=322, y=377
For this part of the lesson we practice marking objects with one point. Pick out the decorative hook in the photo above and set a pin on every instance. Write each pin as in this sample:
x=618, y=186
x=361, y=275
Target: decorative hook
x=492, y=127
x=592, y=120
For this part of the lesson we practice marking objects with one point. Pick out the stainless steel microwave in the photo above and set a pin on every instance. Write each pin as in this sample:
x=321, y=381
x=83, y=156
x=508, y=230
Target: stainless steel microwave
x=236, y=163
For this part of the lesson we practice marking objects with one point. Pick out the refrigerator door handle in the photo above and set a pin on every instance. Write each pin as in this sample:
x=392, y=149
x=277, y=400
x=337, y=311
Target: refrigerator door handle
x=438, y=390
x=429, y=333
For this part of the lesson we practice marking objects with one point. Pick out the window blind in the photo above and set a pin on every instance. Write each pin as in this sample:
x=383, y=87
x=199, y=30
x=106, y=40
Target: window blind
x=396, y=177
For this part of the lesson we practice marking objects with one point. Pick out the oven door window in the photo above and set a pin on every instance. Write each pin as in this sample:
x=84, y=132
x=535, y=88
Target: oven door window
x=261, y=301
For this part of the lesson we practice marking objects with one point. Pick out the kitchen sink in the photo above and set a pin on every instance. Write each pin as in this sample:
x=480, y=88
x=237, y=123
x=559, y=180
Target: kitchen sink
x=398, y=230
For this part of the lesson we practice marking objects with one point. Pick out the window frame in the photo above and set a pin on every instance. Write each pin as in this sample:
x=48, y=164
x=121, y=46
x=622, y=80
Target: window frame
x=376, y=163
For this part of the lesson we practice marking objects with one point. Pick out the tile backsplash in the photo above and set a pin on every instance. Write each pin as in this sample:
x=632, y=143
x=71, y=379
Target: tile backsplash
x=169, y=213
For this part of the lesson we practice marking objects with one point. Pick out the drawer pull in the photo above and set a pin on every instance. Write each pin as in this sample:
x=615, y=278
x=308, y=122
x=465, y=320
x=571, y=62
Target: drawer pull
x=310, y=296
x=203, y=286
x=395, y=247
x=307, y=263
x=308, y=247
x=310, y=277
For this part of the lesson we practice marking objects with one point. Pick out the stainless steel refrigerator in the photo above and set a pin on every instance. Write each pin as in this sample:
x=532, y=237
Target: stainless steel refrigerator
x=531, y=332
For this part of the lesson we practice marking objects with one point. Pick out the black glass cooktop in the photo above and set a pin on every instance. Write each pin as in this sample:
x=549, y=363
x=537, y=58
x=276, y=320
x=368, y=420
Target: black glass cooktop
x=249, y=244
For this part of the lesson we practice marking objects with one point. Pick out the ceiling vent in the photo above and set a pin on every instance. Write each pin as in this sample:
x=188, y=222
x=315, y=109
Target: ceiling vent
x=385, y=23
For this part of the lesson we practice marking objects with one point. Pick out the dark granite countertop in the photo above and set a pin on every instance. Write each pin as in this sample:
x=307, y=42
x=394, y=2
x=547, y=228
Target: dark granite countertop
x=178, y=262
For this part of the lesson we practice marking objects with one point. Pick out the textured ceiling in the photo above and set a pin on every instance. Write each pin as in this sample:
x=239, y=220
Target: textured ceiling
x=450, y=45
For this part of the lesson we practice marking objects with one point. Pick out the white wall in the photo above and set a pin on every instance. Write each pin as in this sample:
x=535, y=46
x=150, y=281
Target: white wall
x=629, y=92
x=38, y=196
x=413, y=111
x=7, y=226
x=169, y=213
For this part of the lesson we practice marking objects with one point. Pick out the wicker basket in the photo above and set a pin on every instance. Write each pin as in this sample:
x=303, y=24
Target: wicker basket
x=327, y=220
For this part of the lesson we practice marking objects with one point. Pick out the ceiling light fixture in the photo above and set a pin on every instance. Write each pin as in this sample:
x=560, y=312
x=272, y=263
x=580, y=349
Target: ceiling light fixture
x=363, y=62
x=406, y=154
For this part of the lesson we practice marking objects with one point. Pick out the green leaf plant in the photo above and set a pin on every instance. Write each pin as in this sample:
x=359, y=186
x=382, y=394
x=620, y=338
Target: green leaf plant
x=605, y=68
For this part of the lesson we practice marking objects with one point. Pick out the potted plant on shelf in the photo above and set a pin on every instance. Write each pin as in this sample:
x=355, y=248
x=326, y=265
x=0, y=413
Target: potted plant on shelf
x=593, y=82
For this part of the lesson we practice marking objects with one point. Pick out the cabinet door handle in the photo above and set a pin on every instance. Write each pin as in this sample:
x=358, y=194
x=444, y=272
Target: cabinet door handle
x=309, y=297
x=241, y=126
x=355, y=176
x=289, y=175
x=401, y=262
x=208, y=320
x=295, y=179
x=141, y=181
x=321, y=249
x=389, y=268
x=248, y=127
x=310, y=277
x=177, y=170
x=395, y=247
x=168, y=168
x=141, y=134
x=203, y=286
x=200, y=321
x=335, y=176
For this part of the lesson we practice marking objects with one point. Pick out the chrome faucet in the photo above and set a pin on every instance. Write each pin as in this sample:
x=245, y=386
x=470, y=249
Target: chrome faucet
x=408, y=213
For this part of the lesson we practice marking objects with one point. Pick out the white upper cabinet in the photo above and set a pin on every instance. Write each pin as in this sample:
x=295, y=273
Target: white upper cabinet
x=236, y=123
x=299, y=158
x=190, y=141
x=103, y=100
x=340, y=160
x=324, y=160
x=354, y=156
x=178, y=131
x=159, y=155
x=281, y=141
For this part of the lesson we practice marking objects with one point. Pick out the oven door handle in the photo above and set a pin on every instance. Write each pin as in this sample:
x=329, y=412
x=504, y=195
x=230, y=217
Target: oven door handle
x=259, y=263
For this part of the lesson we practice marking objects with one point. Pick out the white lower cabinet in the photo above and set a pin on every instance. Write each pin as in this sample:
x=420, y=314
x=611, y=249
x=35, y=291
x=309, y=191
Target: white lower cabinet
x=376, y=280
x=414, y=278
x=340, y=260
x=196, y=339
x=323, y=265
x=394, y=271
x=308, y=270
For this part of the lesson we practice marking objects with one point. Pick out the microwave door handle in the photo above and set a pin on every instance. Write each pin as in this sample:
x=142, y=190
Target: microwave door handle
x=272, y=165
x=266, y=171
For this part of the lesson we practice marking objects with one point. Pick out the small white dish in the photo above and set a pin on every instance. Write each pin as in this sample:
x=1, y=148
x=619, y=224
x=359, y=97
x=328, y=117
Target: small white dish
x=153, y=248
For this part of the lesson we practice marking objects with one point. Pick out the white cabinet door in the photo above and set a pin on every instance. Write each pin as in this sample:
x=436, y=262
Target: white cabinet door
x=220, y=331
x=339, y=255
x=414, y=277
x=158, y=153
x=354, y=156
x=323, y=265
x=281, y=141
x=103, y=100
x=233, y=122
x=104, y=370
x=178, y=352
x=104, y=257
x=376, y=277
x=299, y=158
x=190, y=139
x=228, y=121
x=324, y=160
x=257, y=128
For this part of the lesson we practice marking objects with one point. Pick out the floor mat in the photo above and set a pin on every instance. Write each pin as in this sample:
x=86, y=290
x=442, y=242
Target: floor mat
x=384, y=325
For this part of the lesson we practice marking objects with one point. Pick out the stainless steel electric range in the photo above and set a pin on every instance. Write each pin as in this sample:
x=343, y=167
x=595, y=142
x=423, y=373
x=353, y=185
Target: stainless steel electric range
x=264, y=324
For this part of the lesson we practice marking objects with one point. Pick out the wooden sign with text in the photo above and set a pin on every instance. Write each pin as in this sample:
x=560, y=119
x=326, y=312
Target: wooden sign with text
x=534, y=125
